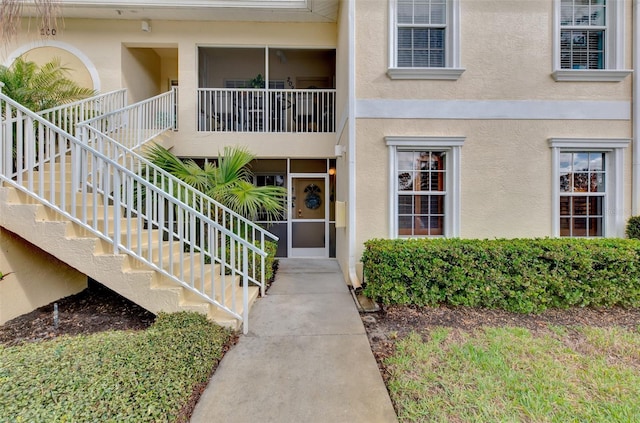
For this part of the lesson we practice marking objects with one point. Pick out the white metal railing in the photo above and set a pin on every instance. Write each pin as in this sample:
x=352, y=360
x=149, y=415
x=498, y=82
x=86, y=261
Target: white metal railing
x=266, y=110
x=221, y=214
x=151, y=218
x=138, y=123
x=67, y=116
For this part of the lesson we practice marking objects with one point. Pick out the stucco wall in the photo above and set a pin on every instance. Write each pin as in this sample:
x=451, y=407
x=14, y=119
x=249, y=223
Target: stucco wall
x=343, y=120
x=506, y=48
x=141, y=70
x=505, y=172
x=115, y=47
x=76, y=69
x=37, y=278
x=506, y=105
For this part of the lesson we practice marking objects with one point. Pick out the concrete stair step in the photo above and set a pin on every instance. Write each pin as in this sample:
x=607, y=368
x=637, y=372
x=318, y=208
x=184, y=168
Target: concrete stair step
x=84, y=250
x=108, y=226
x=55, y=166
x=46, y=184
x=21, y=197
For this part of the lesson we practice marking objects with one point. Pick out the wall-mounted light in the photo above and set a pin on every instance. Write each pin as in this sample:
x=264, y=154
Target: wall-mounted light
x=146, y=26
x=340, y=150
x=332, y=171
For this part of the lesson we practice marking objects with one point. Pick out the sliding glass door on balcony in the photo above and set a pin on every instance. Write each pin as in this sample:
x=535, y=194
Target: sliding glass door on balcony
x=266, y=90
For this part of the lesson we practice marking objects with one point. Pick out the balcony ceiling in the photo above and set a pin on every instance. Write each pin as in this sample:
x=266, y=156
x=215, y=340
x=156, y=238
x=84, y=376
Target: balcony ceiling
x=218, y=10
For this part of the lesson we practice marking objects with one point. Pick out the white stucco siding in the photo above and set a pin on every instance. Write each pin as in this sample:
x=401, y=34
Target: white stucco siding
x=506, y=49
x=506, y=187
x=124, y=57
x=36, y=278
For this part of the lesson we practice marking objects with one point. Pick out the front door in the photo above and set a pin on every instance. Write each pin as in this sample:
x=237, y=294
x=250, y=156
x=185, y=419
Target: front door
x=308, y=212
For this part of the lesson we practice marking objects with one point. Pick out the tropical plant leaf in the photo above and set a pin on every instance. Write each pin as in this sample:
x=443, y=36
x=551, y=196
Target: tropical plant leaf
x=41, y=87
x=229, y=181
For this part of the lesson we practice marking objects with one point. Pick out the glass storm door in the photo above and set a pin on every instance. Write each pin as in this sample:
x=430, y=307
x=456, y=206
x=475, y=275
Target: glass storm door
x=308, y=212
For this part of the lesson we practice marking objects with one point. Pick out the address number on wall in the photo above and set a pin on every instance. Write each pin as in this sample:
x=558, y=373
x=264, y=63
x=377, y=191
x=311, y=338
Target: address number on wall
x=48, y=32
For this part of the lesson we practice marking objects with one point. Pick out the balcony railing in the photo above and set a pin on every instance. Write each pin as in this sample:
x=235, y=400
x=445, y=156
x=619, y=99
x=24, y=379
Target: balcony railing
x=67, y=116
x=266, y=110
x=136, y=124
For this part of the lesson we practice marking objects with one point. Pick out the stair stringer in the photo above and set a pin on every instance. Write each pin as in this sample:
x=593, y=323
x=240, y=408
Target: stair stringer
x=86, y=252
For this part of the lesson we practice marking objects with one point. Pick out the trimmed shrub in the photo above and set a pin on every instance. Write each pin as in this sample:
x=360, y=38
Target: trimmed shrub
x=146, y=376
x=633, y=227
x=520, y=275
x=269, y=262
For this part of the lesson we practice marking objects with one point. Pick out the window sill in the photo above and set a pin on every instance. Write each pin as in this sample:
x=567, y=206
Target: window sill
x=451, y=74
x=587, y=75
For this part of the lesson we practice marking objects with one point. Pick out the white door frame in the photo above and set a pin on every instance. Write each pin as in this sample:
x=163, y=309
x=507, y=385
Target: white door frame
x=291, y=218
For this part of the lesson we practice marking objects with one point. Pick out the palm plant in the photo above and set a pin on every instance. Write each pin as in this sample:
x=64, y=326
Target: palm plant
x=229, y=181
x=41, y=87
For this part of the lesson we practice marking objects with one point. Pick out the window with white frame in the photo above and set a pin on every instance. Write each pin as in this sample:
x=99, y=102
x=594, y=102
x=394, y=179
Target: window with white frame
x=424, y=186
x=424, y=39
x=583, y=31
x=583, y=193
x=587, y=190
x=589, y=40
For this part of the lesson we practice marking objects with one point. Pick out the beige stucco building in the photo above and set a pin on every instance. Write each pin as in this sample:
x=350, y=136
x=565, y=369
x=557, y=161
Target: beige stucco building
x=387, y=118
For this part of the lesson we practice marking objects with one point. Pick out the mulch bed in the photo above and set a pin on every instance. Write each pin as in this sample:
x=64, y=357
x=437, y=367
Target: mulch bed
x=96, y=309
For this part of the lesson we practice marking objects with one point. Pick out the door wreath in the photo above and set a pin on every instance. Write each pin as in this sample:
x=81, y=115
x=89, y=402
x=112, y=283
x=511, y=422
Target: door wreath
x=313, y=200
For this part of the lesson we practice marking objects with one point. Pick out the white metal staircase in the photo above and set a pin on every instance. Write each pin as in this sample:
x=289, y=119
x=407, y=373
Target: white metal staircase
x=93, y=202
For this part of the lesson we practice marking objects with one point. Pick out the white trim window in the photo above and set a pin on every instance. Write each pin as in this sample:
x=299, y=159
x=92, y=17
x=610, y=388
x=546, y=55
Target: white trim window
x=424, y=39
x=424, y=186
x=589, y=40
x=587, y=187
x=582, y=193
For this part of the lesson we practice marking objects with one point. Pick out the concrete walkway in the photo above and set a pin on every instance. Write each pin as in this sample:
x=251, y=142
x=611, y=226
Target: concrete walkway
x=306, y=357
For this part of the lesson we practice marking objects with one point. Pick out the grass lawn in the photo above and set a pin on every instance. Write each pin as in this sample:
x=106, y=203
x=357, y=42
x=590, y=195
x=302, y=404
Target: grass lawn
x=114, y=376
x=510, y=374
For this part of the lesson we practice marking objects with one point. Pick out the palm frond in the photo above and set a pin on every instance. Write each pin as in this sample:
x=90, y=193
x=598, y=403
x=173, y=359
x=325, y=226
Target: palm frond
x=249, y=200
x=229, y=182
x=39, y=88
x=232, y=165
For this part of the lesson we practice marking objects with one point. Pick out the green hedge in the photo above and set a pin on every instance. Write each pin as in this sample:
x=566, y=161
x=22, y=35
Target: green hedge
x=520, y=275
x=633, y=227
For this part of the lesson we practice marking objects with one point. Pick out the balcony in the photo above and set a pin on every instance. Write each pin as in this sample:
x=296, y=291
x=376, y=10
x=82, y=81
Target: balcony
x=266, y=110
x=266, y=90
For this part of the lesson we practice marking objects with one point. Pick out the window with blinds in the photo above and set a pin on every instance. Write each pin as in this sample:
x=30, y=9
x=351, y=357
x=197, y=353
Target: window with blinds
x=583, y=31
x=421, y=33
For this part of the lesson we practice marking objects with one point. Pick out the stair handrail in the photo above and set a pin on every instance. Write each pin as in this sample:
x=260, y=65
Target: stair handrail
x=38, y=142
x=221, y=214
x=116, y=121
x=138, y=123
x=88, y=131
x=67, y=116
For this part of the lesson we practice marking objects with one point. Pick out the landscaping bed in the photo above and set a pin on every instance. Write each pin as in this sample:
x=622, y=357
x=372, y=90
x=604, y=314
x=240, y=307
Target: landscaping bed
x=110, y=352
x=96, y=309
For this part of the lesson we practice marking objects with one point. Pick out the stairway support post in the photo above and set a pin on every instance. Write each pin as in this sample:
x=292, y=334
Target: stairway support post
x=263, y=262
x=4, y=164
x=245, y=289
x=117, y=229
